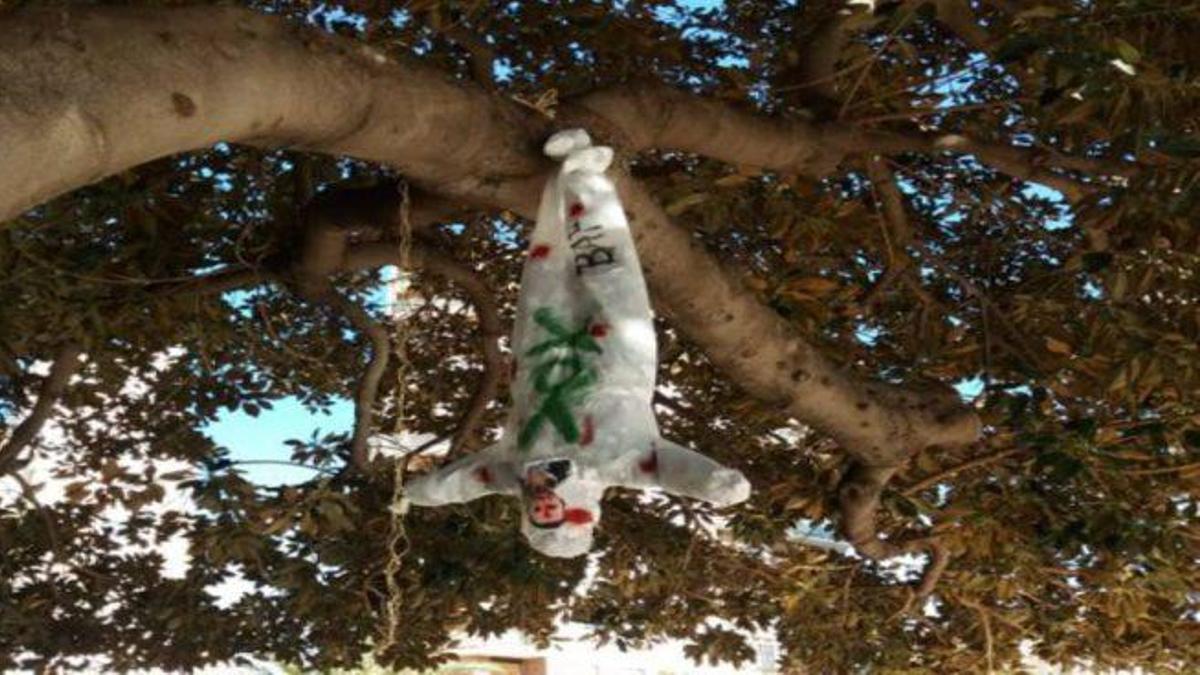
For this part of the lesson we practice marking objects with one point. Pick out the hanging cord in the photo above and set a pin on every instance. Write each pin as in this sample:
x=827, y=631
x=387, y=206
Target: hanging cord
x=398, y=543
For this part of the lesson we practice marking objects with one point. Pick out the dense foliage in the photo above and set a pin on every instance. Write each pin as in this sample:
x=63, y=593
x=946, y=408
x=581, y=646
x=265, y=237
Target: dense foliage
x=1071, y=321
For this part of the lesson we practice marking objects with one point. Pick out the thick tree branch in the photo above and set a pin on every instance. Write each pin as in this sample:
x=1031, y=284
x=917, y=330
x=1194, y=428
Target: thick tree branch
x=66, y=363
x=93, y=91
x=646, y=116
x=453, y=139
x=876, y=423
x=859, y=494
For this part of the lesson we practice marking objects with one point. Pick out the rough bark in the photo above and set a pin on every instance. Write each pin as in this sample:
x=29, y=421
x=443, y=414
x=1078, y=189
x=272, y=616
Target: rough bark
x=88, y=92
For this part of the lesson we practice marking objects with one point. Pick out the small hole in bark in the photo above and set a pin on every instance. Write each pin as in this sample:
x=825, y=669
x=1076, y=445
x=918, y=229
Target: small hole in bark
x=184, y=106
x=863, y=405
x=825, y=381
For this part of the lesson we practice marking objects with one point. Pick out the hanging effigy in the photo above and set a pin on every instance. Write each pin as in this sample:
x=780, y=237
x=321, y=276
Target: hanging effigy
x=586, y=356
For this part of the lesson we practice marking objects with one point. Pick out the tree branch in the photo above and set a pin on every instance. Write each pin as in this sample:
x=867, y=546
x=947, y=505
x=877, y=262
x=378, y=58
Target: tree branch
x=490, y=332
x=101, y=89
x=814, y=71
x=368, y=383
x=451, y=138
x=940, y=476
x=859, y=494
x=329, y=224
x=1024, y=163
x=66, y=363
x=480, y=55
x=876, y=423
x=646, y=116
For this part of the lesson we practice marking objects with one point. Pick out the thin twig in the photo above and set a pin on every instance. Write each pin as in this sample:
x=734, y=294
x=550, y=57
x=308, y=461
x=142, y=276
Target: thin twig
x=480, y=55
x=278, y=462
x=862, y=76
x=490, y=331
x=985, y=622
x=1182, y=468
x=929, y=112
x=368, y=382
x=930, y=481
x=66, y=363
x=30, y=495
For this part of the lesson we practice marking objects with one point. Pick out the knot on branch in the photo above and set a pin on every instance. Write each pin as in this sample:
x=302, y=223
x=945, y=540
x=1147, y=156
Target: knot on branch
x=859, y=494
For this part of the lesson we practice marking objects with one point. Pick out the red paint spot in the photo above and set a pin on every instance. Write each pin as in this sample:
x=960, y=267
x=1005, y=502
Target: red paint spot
x=589, y=431
x=540, y=251
x=577, y=516
x=575, y=210
x=598, y=330
x=650, y=464
x=483, y=474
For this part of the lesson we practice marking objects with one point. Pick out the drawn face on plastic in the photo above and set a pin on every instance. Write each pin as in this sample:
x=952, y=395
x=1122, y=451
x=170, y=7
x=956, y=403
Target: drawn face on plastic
x=543, y=506
x=561, y=507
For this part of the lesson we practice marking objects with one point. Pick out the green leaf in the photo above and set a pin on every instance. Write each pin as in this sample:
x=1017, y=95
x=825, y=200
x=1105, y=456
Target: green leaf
x=1186, y=147
x=1039, y=12
x=686, y=202
x=1018, y=47
x=1126, y=51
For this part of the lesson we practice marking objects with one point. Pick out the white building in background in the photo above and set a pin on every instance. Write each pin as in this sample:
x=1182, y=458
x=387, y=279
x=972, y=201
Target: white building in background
x=573, y=654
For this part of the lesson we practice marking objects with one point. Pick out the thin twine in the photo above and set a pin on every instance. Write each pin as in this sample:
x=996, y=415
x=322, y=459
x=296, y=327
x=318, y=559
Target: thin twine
x=398, y=542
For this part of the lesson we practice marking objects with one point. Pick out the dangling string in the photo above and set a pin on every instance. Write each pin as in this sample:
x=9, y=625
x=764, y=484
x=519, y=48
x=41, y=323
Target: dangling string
x=398, y=543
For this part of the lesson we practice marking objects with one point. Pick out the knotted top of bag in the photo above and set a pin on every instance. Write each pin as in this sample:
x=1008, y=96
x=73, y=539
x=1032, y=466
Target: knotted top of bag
x=574, y=148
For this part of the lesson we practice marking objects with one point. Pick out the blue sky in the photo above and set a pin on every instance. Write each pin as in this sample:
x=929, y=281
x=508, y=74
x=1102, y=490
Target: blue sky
x=263, y=437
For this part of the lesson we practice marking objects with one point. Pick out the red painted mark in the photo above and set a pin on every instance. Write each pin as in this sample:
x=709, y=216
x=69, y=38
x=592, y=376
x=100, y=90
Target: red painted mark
x=483, y=474
x=540, y=251
x=575, y=210
x=598, y=330
x=589, y=431
x=578, y=516
x=650, y=464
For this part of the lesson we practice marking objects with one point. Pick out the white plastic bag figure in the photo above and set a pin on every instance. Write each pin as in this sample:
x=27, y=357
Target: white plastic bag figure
x=586, y=357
